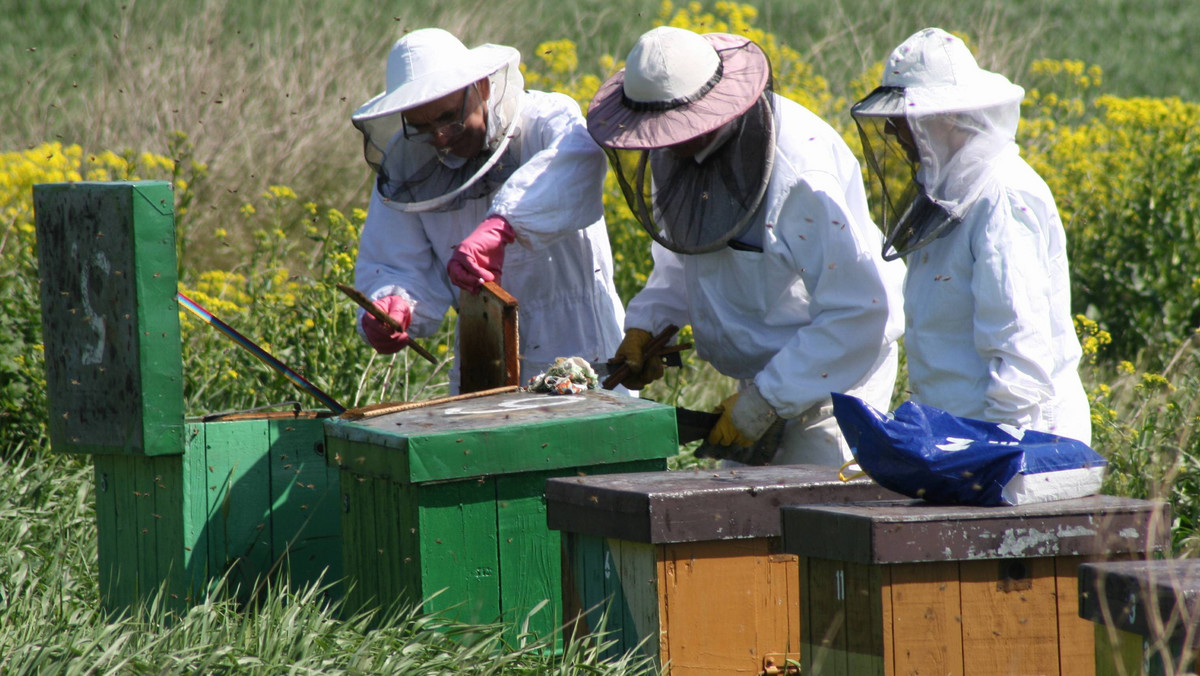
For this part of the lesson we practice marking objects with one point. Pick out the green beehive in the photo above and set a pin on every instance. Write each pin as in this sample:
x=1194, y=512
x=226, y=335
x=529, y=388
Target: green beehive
x=443, y=504
x=178, y=502
x=106, y=256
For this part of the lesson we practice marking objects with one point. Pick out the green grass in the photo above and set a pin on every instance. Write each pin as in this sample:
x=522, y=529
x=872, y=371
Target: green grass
x=50, y=621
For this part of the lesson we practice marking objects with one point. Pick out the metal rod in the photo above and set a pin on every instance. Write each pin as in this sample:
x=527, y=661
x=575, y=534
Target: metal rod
x=263, y=356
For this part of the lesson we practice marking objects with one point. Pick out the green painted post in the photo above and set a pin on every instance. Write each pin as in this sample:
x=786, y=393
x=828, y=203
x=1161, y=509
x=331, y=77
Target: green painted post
x=110, y=324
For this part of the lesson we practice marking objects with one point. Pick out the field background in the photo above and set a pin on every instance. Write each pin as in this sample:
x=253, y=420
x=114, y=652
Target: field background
x=245, y=107
x=265, y=89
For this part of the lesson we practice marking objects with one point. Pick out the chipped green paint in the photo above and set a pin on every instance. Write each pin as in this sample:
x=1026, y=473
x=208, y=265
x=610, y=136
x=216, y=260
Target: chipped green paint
x=443, y=505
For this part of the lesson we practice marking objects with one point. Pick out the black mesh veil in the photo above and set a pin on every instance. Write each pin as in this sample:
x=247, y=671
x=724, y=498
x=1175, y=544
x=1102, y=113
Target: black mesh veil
x=414, y=178
x=901, y=206
x=692, y=206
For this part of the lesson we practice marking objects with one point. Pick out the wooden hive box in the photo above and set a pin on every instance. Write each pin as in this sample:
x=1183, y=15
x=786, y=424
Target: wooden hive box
x=688, y=566
x=178, y=502
x=443, y=504
x=911, y=587
x=1147, y=614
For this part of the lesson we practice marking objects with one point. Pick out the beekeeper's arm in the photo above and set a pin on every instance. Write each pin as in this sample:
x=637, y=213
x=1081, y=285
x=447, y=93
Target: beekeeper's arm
x=854, y=310
x=558, y=189
x=395, y=258
x=1012, y=313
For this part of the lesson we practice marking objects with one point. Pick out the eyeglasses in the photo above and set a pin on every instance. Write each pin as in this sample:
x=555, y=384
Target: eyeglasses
x=425, y=133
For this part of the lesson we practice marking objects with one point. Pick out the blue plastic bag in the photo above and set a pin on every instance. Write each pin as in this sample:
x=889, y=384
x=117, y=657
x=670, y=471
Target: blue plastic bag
x=924, y=452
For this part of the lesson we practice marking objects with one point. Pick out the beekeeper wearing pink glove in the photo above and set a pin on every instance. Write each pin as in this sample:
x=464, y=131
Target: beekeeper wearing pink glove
x=479, y=180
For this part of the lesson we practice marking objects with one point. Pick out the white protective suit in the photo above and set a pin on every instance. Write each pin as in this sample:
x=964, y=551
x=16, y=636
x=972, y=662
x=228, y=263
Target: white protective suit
x=817, y=311
x=560, y=268
x=989, y=333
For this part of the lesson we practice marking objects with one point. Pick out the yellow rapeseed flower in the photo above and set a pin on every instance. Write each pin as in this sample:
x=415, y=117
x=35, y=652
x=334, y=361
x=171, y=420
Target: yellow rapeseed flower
x=280, y=192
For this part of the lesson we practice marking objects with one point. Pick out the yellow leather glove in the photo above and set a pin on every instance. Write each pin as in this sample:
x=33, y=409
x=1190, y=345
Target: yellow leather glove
x=642, y=371
x=724, y=433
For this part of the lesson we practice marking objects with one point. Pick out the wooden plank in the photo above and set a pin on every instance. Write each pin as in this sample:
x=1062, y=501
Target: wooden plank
x=108, y=540
x=459, y=553
x=587, y=561
x=806, y=609
x=779, y=606
x=823, y=648
x=573, y=619
x=194, y=512
x=1009, y=616
x=162, y=512
x=305, y=521
x=926, y=619
x=1076, y=648
x=616, y=623
x=529, y=555
x=910, y=531
x=637, y=566
x=239, y=501
x=389, y=554
x=407, y=521
x=715, y=595
x=370, y=506
x=690, y=506
x=151, y=566
x=130, y=585
x=867, y=648
x=358, y=540
x=168, y=515
x=488, y=345
x=885, y=613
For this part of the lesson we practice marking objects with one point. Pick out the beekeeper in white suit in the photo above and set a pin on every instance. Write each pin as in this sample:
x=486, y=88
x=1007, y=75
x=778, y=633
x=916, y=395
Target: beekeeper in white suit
x=987, y=298
x=763, y=241
x=467, y=163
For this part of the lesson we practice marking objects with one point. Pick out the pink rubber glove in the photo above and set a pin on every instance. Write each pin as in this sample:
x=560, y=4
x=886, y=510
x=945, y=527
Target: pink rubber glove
x=479, y=257
x=382, y=338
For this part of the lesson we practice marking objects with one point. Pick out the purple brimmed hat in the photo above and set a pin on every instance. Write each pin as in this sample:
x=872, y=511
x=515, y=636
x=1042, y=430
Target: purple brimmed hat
x=677, y=85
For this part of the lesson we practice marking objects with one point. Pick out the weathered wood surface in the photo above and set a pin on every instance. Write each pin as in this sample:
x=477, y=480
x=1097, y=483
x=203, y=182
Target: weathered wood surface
x=725, y=599
x=945, y=617
x=488, y=343
x=914, y=530
x=110, y=321
x=1155, y=599
x=693, y=506
x=727, y=605
x=503, y=434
